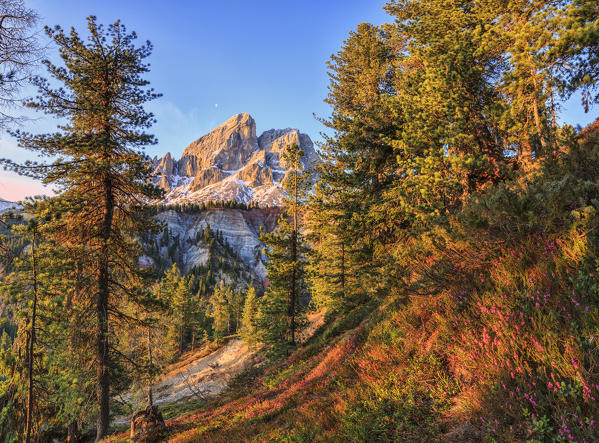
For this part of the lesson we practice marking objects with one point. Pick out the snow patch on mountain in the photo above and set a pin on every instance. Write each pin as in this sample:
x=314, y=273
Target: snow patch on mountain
x=232, y=163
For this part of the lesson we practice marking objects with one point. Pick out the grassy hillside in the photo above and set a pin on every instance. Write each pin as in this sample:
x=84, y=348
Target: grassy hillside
x=492, y=338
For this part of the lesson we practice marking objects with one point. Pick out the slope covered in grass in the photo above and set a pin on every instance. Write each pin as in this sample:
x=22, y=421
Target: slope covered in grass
x=492, y=337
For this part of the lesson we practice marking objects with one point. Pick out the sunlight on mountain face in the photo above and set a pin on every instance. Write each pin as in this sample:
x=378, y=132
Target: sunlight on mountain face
x=429, y=273
x=231, y=163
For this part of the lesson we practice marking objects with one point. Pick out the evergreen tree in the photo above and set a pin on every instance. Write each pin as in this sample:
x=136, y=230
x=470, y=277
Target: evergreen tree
x=248, y=319
x=237, y=305
x=23, y=286
x=281, y=312
x=358, y=163
x=220, y=311
x=173, y=292
x=329, y=268
x=101, y=174
x=181, y=310
x=48, y=356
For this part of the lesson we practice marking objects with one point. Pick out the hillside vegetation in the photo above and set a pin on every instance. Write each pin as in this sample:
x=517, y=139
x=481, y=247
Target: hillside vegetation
x=453, y=237
x=449, y=231
x=494, y=339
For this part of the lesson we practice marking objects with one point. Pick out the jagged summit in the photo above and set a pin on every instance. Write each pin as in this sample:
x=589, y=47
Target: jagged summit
x=232, y=163
x=228, y=146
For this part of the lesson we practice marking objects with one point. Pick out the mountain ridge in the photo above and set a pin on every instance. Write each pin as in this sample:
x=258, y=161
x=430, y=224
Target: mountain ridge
x=232, y=163
x=6, y=205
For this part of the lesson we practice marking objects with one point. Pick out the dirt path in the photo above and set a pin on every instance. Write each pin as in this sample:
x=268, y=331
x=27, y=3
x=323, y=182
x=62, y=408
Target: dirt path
x=206, y=376
x=201, y=375
x=198, y=375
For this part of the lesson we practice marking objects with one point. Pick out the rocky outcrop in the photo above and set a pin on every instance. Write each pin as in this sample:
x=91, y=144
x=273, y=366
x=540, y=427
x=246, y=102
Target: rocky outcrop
x=239, y=228
x=274, y=142
x=232, y=163
x=228, y=147
x=7, y=206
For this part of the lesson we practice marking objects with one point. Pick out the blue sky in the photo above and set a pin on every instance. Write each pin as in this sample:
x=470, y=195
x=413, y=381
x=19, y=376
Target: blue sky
x=214, y=59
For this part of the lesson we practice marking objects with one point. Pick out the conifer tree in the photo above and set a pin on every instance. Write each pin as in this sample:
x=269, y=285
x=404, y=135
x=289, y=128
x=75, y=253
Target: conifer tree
x=220, y=311
x=329, y=268
x=23, y=287
x=181, y=310
x=52, y=367
x=248, y=319
x=281, y=311
x=237, y=305
x=358, y=163
x=31, y=333
x=101, y=173
x=174, y=293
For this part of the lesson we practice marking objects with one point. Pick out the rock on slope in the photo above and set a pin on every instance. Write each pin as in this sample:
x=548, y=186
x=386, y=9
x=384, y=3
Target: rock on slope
x=232, y=163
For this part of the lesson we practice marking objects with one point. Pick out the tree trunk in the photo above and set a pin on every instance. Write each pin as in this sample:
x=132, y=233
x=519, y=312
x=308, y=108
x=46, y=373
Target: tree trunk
x=28, y=422
x=180, y=340
x=536, y=115
x=73, y=435
x=102, y=355
x=293, y=292
x=150, y=396
x=73, y=432
x=342, y=270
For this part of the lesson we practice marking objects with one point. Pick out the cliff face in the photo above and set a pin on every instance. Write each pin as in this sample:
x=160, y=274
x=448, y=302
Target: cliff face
x=239, y=228
x=232, y=163
x=236, y=241
x=6, y=206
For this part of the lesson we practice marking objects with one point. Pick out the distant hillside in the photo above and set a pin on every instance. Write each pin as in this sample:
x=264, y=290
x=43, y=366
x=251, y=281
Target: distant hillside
x=223, y=241
x=5, y=205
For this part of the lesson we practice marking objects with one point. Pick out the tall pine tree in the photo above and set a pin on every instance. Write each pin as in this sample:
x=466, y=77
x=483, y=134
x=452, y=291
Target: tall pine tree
x=281, y=312
x=100, y=170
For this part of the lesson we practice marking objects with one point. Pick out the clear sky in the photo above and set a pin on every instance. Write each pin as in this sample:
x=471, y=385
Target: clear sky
x=213, y=59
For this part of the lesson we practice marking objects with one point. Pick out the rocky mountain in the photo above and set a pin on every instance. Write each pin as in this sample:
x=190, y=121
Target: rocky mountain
x=6, y=205
x=233, y=243
x=232, y=163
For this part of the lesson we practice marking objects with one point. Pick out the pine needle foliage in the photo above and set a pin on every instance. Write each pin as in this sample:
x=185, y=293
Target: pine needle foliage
x=100, y=172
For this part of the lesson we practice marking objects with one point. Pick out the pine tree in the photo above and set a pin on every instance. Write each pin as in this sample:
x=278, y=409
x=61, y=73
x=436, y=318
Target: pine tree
x=281, y=312
x=237, y=305
x=358, y=163
x=48, y=354
x=23, y=286
x=182, y=310
x=248, y=319
x=329, y=268
x=32, y=328
x=101, y=174
x=174, y=293
x=220, y=311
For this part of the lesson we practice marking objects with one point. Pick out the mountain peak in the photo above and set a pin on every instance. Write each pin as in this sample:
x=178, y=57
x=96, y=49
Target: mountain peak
x=228, y=145
x=232, y=163
x=243, y=118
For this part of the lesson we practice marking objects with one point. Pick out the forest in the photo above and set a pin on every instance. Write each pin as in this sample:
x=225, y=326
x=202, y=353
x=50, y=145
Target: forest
x=448, y=237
